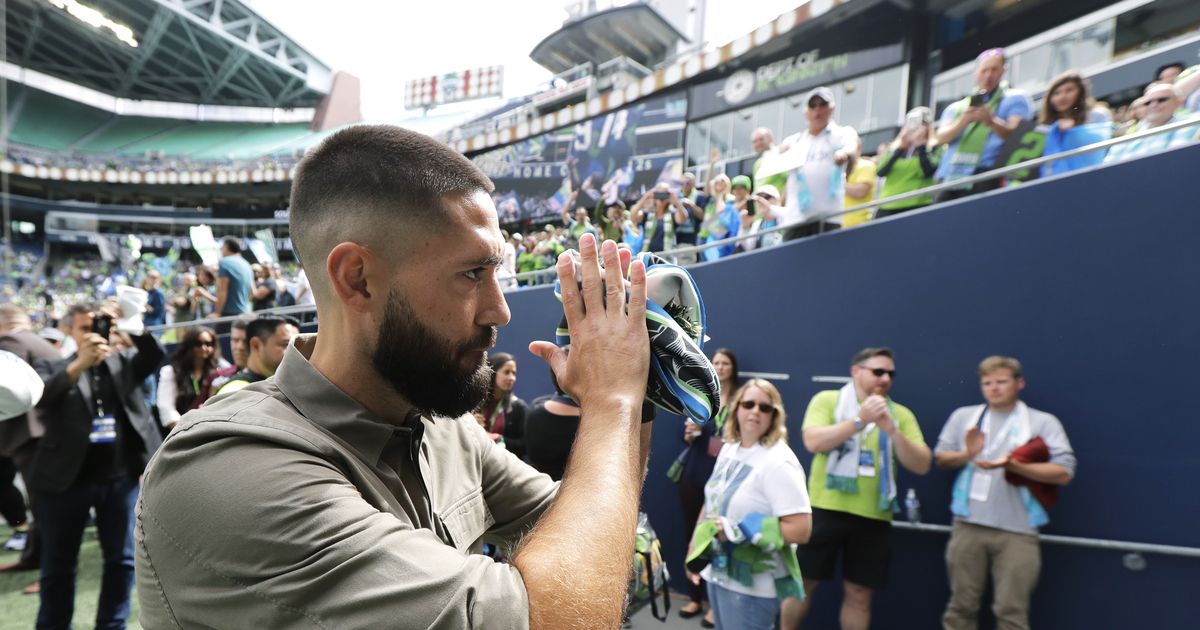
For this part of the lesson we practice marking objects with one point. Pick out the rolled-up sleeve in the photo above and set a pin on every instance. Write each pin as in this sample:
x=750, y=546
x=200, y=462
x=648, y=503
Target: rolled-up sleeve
x=260, y=535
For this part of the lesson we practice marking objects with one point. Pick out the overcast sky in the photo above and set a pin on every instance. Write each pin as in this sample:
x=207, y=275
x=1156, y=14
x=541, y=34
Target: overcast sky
x=385, y=43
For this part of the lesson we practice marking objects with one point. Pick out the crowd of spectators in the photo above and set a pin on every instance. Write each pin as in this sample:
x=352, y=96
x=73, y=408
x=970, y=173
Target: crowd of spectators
x=179, y=290
x=148, y=162
x=805, y=183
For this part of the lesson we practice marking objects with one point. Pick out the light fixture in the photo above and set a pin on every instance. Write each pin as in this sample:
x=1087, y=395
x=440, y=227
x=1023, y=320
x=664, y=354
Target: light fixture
x=96, y=19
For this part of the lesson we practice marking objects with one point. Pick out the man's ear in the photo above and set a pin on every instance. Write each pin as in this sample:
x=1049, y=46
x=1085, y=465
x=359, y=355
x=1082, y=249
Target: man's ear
x=347, y=265
x=256, y=345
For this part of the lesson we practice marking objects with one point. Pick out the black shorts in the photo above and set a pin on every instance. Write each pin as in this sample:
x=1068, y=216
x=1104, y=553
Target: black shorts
x=865, y=544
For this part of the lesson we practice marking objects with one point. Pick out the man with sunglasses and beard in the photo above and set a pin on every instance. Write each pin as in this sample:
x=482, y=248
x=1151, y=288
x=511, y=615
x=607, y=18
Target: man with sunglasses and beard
x=350, y=489
x=857, y=435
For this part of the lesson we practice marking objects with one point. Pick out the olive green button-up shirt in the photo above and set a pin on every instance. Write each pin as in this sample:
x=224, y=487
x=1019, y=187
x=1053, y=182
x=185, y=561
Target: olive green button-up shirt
x=289, y=505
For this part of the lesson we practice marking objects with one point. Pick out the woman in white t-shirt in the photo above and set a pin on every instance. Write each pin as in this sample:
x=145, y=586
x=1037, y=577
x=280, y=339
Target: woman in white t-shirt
x=756, y=509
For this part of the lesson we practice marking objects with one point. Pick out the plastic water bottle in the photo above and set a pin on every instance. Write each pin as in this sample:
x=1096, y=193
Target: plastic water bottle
x=719, y=559
x=912, y=506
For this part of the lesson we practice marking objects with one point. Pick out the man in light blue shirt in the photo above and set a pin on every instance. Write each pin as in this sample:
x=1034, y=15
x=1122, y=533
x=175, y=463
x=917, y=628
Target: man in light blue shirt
x=235, y=279
x=974, y=128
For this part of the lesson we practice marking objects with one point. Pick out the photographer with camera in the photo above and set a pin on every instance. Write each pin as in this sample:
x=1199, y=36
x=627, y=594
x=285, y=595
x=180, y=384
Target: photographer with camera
x=909, y=163
x=99, y=435
x=658, y=212
x=975, y=127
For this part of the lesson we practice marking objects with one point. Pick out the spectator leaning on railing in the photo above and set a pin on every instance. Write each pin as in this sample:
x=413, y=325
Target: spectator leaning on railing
x=817, y=188
x=1162, y=105
x=975, y=127
x=861, y=177
x=909, y=163
x=1065, y=111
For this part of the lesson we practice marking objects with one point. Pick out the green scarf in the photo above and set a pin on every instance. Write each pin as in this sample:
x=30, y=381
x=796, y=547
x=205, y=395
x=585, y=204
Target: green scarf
x=651, y=223
x=969, y=149
x=749, y=558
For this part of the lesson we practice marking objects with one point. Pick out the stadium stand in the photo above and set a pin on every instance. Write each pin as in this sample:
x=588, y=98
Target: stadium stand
x=1072, y=256
x=124, y=131
x=51, y=122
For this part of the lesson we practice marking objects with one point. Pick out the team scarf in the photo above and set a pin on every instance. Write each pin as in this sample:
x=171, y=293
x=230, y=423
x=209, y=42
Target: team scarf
x=841, y=471
x=682, y=380
x=651, y=226
x=753, y=546
x=971, y=143
x=1017, y=432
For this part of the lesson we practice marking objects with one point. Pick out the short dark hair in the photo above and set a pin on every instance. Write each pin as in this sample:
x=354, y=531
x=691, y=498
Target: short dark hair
x=82, y=308
x=263, y=326
x=233, y=244
x=1173, y=64
x=242, y=321
x=867, y=353
x=377, y=172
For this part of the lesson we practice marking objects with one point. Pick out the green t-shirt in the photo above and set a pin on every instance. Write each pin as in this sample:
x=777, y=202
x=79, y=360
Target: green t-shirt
x=529, y=261
x=906, y=176
x=778, y=180
x=865, y=502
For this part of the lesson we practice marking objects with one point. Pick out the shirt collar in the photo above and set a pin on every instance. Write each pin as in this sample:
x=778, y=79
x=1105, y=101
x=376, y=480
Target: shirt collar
x=327, y=406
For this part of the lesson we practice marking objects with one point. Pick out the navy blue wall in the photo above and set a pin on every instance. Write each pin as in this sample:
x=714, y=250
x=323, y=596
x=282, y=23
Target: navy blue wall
x=1092, y=280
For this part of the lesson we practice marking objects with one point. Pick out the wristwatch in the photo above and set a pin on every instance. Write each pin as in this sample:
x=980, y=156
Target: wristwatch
x=858, y=424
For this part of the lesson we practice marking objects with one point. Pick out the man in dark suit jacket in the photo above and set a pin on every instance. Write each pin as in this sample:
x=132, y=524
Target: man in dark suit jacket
x=99, y=435
x=19, y=436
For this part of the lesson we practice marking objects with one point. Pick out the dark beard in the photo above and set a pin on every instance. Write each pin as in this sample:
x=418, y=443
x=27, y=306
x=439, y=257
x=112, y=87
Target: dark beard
x=424, y=368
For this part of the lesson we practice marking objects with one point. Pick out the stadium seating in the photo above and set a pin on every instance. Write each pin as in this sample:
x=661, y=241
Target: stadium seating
x=51, y=122
x=47, y=121
x=125, y=131
x=255, y=141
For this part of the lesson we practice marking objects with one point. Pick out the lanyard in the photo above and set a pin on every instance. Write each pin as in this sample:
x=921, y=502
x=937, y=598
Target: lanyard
x=94, y=378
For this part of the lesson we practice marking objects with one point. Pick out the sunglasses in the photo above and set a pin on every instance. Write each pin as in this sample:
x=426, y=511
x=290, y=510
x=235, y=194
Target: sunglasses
x=763, y=407
x=1156, y=101
x=206, y=344
x=879, y=372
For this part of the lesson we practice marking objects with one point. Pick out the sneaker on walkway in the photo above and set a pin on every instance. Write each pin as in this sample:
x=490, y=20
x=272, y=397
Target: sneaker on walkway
x=17, y=542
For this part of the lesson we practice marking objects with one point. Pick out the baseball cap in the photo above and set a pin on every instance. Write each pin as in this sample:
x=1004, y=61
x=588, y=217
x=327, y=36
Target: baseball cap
x=822, y=92
x=740, y=180
x=769, y=190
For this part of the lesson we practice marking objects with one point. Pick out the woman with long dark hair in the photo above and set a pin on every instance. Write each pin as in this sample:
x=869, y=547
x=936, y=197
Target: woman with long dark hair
x=503, y=412
x=180, y=380
x=1065, y=110
x=704, y=443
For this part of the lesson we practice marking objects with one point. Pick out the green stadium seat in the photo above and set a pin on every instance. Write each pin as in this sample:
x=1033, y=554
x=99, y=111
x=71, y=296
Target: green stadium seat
x=52, y=122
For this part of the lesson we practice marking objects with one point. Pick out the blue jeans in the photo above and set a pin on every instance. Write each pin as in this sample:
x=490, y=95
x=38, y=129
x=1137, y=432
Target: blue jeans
x=62, y=518
x=735, y=611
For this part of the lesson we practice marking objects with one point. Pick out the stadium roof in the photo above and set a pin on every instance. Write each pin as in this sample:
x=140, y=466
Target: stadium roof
x=212, y=52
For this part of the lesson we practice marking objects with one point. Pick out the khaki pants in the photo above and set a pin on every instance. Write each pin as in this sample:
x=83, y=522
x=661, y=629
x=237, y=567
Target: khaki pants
x=1014, y=561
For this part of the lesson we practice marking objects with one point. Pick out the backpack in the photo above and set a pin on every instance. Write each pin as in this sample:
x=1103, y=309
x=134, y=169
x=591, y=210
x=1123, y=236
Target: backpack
x=650, y=574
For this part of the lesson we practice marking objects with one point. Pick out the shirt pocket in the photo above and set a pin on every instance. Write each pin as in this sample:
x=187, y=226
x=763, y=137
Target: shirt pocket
x=467, y=519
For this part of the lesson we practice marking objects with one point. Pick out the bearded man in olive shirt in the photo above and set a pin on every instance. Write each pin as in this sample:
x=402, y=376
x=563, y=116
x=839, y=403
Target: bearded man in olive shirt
x=347, y=490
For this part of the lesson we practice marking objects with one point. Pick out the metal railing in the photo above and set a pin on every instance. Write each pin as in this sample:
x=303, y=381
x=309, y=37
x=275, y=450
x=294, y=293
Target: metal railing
x=1073, y=541
x=511, y=283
